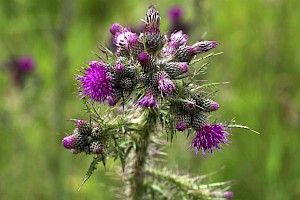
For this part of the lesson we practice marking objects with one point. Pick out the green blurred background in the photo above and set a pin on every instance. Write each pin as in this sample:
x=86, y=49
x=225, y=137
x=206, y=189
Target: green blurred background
x=260, y=41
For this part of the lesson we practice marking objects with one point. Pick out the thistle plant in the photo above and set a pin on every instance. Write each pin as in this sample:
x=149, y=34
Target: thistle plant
x=137, y=99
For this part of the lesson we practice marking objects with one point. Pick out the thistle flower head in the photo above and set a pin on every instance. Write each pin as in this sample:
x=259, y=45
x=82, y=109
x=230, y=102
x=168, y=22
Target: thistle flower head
x=175, y=13
x=190, y=106
x=119, y=67
x=69, y=142
x=164, y=83
x=125, y=39
x=203, y=46
x=206, y=105
x=187, y=53
x=228, y=194
x=152, y=20
x=215, y=106
x=199, y=120
x=209, y=137
x=80, y=122
x=149, y=100
x=26, y=63
x=116, y=27
x=96, y=82
x=178, y=39
x=144, y=58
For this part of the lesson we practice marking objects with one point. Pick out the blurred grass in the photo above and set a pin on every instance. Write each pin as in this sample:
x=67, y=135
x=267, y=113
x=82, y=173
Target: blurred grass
x=259, y=39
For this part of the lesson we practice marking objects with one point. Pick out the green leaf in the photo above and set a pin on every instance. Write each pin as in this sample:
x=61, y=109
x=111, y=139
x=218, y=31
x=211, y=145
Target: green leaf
x=92, y=168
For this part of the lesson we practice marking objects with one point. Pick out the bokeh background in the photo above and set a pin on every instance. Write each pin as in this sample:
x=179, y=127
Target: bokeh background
x=260, y=41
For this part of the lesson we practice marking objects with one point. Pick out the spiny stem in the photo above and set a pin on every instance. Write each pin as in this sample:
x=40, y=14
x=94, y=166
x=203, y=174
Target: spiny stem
x=141, y=155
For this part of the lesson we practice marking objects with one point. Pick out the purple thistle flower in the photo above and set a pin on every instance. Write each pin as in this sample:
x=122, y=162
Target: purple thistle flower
x=116, y=27
x=69, y=142
x=204, y=46
x=124, y=39
x=164, y=83
x=215, y=106
x=149, y=100
x=154, y=41
x=186, y=53
x=176, y=16
x=95, y=82
x=26, y=63
x=228, y=194
x=146, y=61
x=80, y=122
x=175, y=13
x=119, y=68
x=181, y=126
x=209, y=137
x=183, y=66
x=144, y=58
x=127, y=42
x=152, y=21
x=178, y=39
x=206, y=105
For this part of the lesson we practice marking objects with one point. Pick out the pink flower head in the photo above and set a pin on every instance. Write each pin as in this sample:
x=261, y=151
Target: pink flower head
x=69, y=142
x=152, y=21
x=144, y=58
x=209, y=137
x=164, y=83
x=26, y=63
x=175, y=13
x=116, y=27
x=178, y=39
x=203, y=46
x=125, y=39
x=95, y=82
x=149, y=100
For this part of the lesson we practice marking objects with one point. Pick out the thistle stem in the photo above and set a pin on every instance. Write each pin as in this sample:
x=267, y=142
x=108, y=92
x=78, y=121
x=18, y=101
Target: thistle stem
x=141, y=156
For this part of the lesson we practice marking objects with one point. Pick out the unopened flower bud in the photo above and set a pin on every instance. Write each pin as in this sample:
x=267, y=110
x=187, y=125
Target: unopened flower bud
x=116, y=27
x=182, y=122
x=96, y=147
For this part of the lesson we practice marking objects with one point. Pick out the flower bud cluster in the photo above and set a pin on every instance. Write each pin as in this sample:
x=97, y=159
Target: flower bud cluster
x=150, y=60
x=85, y=139
x=149, y=66
x=190, y=113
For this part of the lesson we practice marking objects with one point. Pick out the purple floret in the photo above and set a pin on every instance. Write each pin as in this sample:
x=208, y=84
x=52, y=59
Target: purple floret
x=95, y=82
x=116, y=27
x=149, y=100
x=69, y=142
x=26, y=63
x=209, y=137
x=175, y=13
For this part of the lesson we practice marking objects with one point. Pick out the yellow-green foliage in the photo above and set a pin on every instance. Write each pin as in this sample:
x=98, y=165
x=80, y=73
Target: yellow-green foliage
x=260, y=41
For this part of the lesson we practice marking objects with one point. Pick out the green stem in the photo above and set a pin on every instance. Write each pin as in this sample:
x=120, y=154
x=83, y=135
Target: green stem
x=141, y=153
